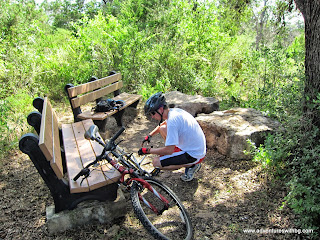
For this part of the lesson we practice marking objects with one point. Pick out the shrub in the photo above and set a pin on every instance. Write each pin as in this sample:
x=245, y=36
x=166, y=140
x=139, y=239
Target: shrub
x=13, y=113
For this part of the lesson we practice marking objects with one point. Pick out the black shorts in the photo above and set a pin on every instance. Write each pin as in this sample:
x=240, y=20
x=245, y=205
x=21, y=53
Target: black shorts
x=177, y=158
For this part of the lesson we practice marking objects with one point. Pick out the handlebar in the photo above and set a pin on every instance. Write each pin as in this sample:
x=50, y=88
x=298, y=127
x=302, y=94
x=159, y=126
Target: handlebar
x=117, y=134
x=110, y=146
x=107, y=147
x=85, y=171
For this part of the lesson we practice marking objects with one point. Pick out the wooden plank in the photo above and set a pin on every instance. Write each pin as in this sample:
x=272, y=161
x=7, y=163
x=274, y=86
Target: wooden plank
x=90, y=86
x=92, y=96
x=95, y=116
x=49, y=142
x=97, y=148
x=56, y=162
x=127, y=98
x=45, y=136
x=87, y=155
x=73, y=160
x=111, y=174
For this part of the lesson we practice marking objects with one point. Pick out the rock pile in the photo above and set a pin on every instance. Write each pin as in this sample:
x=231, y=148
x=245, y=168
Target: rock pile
x=228, y=131
x=194, y=104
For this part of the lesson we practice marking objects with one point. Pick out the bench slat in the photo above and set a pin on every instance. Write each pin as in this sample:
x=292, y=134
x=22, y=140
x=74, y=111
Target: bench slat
x=92, y=96
x=88, y=87
x=127, y=98
x=45, y=136
x=73, y=160
x=49, y=140
x=97, y=148
x=56, y=162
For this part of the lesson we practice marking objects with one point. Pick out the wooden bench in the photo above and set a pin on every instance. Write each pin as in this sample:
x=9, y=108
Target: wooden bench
x=60, y=153
x=93, y=91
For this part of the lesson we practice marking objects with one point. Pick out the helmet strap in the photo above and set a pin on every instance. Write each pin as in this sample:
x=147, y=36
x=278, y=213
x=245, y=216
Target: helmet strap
x=161, y=114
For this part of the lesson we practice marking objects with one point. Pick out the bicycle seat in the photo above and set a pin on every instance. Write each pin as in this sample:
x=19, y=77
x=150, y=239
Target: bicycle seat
x=91, y=133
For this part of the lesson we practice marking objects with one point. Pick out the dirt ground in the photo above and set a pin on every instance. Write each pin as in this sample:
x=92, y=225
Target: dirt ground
x=227, y=197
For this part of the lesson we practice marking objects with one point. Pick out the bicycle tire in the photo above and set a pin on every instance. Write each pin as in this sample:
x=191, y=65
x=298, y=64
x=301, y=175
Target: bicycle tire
x=173, y=224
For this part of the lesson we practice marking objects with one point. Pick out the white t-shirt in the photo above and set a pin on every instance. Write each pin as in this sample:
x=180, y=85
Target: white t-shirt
x=184, y=131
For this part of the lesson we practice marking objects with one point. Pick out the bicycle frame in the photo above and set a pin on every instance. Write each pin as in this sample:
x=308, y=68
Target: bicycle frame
x=134, y=176
x=144, y=184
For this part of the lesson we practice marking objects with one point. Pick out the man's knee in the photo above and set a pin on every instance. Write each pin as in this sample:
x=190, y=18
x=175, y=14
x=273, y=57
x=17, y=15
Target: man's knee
x=156, y=162
x=163, y=131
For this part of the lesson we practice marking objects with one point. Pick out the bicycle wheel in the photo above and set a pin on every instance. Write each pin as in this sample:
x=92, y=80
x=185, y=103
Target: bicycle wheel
x=174, y=223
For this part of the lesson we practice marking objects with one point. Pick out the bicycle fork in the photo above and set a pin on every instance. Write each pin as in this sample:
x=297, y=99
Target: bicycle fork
x=145, y=184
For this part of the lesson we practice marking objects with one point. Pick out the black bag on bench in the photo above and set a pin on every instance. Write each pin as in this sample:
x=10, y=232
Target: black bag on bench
x=107, y=105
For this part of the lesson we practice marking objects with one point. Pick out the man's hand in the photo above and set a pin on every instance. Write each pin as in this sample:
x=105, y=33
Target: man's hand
x=143, y=151
x=146, y=139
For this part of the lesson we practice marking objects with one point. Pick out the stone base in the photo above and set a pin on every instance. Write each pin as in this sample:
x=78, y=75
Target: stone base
x=86, y=213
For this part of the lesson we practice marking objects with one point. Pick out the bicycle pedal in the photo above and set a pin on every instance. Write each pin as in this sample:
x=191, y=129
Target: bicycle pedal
x=155, y=172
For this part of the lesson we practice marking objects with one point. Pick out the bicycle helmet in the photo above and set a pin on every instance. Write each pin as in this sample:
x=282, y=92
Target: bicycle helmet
x=156, y=101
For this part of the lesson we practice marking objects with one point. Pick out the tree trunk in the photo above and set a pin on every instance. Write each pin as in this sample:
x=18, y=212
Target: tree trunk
x=260, y=25
x=310, y=10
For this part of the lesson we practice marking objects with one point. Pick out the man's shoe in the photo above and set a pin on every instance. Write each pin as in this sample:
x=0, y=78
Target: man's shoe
x=155, y=172
x=189, y=172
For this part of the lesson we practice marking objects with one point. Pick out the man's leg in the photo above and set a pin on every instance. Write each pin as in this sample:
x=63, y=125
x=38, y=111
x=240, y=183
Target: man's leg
x=190, y=171
x=156, y=163
x=163, y=130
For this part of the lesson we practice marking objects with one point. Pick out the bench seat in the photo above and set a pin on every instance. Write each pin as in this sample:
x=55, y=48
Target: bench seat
x=127, y=98
x=79, y=152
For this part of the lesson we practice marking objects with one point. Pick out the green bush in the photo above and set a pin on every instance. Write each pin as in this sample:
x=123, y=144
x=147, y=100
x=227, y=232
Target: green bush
x=304, y=172
x=13, y=114
x=293, y=155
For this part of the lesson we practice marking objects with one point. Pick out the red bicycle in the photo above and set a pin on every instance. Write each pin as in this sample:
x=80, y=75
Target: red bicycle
x=155, y=205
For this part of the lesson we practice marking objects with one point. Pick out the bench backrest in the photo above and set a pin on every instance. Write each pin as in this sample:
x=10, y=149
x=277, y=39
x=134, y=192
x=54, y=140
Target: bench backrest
x=49, y=141
x=88, y=92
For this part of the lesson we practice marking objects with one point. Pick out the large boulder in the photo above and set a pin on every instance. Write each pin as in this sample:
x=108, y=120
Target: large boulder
x=194, y=104
x=228, y=131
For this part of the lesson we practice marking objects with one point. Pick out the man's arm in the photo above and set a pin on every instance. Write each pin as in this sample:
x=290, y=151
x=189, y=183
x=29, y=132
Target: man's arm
x=167, y=150
x=152, y=133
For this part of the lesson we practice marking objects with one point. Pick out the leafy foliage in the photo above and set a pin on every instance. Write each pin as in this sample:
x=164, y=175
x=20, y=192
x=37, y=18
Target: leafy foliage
x=13, y=119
